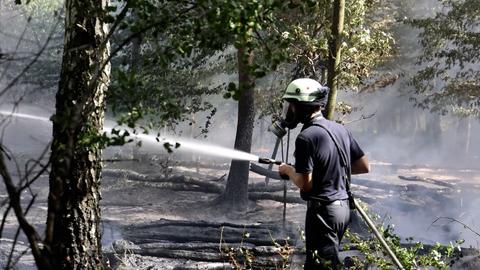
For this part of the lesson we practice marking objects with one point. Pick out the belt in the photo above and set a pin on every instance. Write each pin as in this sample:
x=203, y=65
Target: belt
x=319, y=204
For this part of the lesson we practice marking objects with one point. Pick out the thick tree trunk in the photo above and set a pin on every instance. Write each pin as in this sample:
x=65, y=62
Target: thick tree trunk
x=236, y=191
x=73, y=224
x=335, y=54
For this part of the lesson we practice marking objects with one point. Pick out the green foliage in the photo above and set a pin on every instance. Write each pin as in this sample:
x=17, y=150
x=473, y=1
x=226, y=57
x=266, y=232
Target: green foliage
x=162, y=76
x=167, y=53
x=449, y=78
x=298, y=46
x=412, y=255
x=304, y=34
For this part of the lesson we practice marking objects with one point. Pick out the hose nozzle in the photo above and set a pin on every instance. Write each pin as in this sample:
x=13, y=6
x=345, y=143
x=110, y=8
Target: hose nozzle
x=269, y=161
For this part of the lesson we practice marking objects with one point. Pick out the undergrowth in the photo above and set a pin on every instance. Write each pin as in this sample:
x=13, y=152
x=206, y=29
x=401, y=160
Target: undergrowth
x=244, y=256
x=412, y=254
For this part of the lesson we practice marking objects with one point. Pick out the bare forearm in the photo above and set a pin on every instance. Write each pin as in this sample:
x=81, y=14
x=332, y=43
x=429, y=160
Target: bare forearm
x=301, y=180
x=361, y=165
x=297, y=179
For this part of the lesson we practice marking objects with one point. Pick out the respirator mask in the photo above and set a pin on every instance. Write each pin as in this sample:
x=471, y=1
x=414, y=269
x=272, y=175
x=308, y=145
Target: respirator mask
x=288, y=119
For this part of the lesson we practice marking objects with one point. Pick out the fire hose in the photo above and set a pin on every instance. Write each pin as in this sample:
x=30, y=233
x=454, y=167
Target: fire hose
x=276, y=175
x=378, y=235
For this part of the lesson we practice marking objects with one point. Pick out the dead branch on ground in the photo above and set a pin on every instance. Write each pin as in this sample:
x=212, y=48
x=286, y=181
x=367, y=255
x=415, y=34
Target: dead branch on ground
x=453, y=220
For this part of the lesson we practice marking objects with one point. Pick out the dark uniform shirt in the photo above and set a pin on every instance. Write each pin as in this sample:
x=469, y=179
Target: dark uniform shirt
x=316, y=152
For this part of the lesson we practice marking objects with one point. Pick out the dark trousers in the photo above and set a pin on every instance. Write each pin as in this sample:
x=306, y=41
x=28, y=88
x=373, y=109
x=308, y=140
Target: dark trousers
x=324, y=228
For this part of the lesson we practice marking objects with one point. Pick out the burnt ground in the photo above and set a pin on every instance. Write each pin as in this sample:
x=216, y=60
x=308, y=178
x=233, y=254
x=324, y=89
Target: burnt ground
x=410, y=197
x=153, y=223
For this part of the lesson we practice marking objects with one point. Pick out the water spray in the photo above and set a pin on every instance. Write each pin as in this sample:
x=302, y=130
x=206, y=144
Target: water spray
x=179, y=144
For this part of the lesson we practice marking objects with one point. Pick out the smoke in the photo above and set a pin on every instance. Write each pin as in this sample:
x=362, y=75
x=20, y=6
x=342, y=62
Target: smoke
x=399, y=139
x=403, y=140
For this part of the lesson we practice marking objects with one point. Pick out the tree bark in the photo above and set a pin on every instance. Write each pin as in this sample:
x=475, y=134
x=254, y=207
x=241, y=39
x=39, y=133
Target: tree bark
x=73, y=222
x=334, y=55
x=236, y=191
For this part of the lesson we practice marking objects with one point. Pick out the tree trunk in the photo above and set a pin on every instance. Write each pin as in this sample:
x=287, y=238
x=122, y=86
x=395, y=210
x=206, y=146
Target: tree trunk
x=433, y=130
x=335, y=54
x=469, y=136
x=73, y=223
x=236, y=191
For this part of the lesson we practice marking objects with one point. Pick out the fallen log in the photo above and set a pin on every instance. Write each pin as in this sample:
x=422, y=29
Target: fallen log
x=124, y=174
x=427, y=180
x=206, y=165
x=199, y=246
x=392, y=187
x=161, y=233
x=208, y=186
x=178, y=181
x=183, y=254
x=269, y=260
x=184, y=187
x=201, y=223
x=377, y=184
x=206, y=236
x=204, y=266
x=290, y=198
x=272, y=187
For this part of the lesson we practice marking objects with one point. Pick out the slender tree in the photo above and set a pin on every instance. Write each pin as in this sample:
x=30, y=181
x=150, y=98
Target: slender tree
x=334, y=54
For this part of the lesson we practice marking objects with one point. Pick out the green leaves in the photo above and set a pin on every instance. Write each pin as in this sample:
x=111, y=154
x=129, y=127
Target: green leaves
x=449, y=80
x=231, y=90
x=170, y=77
x=412, y=255
x=169, y=147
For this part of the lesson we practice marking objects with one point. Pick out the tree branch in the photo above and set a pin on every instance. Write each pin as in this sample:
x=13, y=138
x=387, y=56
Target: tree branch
x=15, y=202
x=363, y=117
x=15, y=239
x=34, y=60
x=454, y=220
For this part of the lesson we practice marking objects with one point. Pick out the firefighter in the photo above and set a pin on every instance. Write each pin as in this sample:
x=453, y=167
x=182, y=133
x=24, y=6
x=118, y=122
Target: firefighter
x=318, y=171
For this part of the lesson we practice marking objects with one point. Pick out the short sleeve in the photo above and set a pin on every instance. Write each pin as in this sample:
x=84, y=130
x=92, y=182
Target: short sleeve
x=303, y=155
x=355, y=151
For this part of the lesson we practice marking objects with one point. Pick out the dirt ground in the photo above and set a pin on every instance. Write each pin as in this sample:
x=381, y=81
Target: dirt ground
x=141, y=218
